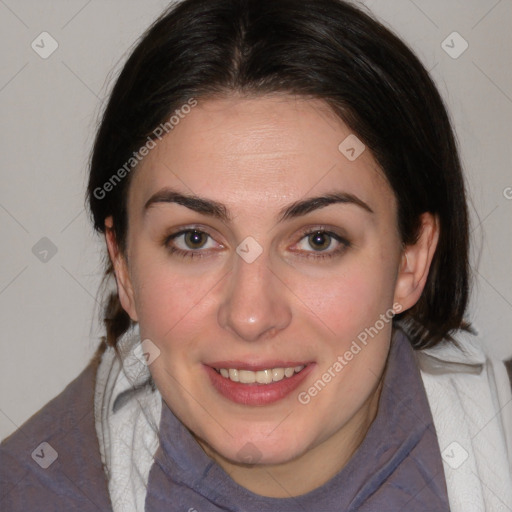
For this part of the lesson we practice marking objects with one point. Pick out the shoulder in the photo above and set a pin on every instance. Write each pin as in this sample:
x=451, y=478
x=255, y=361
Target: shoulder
x=468, y=357
x=470, y=396
x=468, y=366
x=54, y=458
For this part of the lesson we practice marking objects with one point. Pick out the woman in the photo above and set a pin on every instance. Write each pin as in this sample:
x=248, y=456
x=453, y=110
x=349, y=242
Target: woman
x=284, y=211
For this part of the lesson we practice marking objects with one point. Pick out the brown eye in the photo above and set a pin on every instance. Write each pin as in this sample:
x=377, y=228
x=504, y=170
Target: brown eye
x=320, y=241
x=195, y=239
x=191, y=243
x=320, y=244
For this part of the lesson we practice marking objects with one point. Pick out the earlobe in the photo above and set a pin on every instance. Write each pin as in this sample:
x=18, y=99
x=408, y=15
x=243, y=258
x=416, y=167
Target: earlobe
x=123, y=281
x=415, y=263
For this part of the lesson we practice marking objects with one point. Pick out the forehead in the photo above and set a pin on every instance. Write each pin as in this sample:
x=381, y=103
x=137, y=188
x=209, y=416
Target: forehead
x=255, y=152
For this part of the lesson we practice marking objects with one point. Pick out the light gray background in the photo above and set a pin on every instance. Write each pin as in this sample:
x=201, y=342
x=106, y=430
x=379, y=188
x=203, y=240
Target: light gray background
x=49, y=110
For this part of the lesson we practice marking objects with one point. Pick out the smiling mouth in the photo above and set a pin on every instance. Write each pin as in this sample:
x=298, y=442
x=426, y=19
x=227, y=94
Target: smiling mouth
x=252, y=384
x=259, y=377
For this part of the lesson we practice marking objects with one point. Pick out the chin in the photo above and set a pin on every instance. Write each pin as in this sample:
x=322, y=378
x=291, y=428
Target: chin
x=262, y=449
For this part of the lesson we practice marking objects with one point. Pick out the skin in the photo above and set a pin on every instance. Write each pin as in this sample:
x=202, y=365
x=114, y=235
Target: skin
x=256, y=156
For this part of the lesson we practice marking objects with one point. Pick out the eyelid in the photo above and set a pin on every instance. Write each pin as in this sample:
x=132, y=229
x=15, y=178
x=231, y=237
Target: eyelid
x=182, y=233
x=343, y=242
x=331, y=231
x=173, y=233
x=183, y=230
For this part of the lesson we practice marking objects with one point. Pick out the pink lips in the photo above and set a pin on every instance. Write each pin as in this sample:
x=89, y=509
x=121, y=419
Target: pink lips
x=256, y=394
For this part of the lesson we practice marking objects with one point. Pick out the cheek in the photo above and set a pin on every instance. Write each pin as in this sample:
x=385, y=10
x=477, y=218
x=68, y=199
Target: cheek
x=173, y=305
x=349, y=301
x=356, y=308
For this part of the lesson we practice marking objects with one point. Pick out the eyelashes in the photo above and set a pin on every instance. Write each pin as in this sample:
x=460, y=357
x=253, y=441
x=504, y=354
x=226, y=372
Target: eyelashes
x=325, y=243
x=196, y=243
x=188, y=236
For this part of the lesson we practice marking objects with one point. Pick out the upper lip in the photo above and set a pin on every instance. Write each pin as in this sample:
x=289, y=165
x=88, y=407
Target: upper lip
x=256, y=366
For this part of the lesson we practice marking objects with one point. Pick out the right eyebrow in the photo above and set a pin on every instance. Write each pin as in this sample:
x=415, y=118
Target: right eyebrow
x=198, y=204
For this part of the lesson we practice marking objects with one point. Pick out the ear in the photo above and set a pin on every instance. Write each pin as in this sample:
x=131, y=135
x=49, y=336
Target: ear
x=415, y=263
x=124, y=284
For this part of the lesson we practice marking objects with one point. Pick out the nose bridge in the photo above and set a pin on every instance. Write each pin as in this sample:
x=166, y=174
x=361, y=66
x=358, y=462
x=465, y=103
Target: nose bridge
x=254, y=304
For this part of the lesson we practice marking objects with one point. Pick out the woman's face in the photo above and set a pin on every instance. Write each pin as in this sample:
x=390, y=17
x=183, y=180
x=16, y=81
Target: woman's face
x=257, y=249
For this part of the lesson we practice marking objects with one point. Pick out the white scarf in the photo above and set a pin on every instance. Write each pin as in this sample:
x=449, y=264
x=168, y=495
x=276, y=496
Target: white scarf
x=128, y=437
x=471, y=402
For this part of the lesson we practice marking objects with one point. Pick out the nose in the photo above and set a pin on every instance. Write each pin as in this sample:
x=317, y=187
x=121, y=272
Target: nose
x=254, y=304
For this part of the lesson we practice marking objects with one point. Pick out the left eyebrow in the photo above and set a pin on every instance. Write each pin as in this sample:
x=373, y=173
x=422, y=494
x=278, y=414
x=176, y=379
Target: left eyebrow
x=314, y=203
x=220, y=211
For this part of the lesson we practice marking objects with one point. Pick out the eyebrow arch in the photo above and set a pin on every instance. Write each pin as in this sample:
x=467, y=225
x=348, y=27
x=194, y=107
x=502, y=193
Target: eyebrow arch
x=198, y=204
x=314, y=203
x=219, y=211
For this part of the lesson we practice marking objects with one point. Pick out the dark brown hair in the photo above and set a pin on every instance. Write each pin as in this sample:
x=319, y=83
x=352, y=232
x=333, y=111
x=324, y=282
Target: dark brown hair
x=326, y=49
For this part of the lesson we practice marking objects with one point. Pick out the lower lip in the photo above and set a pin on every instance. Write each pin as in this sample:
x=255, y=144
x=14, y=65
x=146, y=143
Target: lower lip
x=256, y=394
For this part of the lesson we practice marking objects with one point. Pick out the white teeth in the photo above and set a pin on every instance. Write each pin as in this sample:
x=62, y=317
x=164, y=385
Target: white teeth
x=277, y=374
x=264, y=376
x=261, y=376
x=246, y=376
